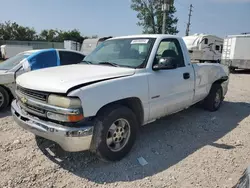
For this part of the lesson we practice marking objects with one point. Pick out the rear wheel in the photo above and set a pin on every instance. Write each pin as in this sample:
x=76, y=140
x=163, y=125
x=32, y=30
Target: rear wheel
x=114, y=133
x=4, y=98
x=214, y=99
x=232, y=69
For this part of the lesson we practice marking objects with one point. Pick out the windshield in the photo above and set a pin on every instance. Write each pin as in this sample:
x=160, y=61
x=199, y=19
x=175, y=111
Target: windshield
x=12, y=62
x=131, y=52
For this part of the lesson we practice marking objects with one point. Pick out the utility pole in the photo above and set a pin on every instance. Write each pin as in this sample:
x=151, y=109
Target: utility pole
x=165, y=9
x=189, y=20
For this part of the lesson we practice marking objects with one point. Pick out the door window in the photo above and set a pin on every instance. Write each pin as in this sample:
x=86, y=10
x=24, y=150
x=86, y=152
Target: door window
x=205, y=41
x=217, y=47
x=68, y=58
x=170, y=48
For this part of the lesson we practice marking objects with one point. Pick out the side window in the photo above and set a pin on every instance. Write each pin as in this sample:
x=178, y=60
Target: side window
x=170, y=48
x=68, y=58
x=205, y=41
x=217, y=47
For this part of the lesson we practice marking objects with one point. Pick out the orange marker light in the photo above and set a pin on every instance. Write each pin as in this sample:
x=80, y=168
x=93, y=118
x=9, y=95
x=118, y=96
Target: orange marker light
x=75, y=118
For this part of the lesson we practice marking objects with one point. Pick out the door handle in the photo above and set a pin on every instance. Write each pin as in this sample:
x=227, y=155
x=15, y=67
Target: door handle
x=186, y=75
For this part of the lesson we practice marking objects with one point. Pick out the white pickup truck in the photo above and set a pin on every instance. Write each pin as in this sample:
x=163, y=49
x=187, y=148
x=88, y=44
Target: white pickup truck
x=124, y=83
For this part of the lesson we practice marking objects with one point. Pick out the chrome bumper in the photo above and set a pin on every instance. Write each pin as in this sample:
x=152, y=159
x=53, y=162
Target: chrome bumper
x=69, y=138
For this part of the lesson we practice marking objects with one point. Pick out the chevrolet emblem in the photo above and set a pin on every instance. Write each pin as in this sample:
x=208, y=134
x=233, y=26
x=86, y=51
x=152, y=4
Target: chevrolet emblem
x=24, y=100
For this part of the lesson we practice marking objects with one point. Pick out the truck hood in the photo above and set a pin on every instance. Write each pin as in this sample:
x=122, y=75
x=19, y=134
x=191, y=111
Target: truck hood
x=61, y=79
x=6, y=77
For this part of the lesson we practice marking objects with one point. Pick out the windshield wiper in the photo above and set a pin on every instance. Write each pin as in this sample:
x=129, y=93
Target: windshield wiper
x=108, y=63
x=87, y=62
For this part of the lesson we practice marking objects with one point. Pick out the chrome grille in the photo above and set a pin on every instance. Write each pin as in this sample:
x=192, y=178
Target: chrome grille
x=36, y=95
x=33, y=94
x=39, y=110
x=32, y=109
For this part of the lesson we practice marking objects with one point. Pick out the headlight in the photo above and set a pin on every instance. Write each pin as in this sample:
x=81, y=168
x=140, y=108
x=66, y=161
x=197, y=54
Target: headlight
x=64, y=102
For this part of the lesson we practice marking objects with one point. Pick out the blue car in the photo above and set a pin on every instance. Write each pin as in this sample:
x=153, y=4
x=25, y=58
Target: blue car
x=29, y=61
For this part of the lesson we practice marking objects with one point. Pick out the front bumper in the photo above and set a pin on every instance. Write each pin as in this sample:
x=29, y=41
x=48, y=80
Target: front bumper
x=69, y=138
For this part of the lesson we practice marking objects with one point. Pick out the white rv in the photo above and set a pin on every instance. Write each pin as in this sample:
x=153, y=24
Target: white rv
x=203, y=47
x=236, y=52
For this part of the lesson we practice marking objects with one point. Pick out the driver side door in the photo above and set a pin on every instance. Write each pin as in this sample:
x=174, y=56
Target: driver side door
x=170, y=90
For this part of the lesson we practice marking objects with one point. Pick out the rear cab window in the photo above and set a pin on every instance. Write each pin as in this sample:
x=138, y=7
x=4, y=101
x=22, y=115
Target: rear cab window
x=68, y=58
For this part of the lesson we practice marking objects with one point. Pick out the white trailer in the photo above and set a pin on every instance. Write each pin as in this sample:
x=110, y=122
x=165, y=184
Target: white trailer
x=204, y=47
x=89, y=45
x=72, y=45
x=236, y=52
x=8, y=50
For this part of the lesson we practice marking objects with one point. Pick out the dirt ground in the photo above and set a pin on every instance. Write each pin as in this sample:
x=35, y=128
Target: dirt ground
x=193, y=148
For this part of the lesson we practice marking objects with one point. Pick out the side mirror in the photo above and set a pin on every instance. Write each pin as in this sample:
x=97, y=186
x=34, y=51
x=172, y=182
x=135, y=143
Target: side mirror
x=166, y=63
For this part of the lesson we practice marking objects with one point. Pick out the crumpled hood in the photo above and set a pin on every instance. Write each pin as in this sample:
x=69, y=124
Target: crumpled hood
x=6, y=77
x=61, y=79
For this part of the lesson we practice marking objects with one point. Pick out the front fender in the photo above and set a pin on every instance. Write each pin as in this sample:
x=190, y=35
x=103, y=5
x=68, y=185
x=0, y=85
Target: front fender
x=97, y=95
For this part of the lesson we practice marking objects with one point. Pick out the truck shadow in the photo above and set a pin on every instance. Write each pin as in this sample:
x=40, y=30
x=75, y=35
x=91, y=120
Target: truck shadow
x=5, y=113
x=163, y=144
x=241, y=71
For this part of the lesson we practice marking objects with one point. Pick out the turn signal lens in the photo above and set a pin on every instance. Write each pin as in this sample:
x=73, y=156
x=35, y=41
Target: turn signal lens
x=65, y=118
x=75, y=118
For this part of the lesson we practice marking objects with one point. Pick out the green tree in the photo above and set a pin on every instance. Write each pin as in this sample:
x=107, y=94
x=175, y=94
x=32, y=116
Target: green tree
x=74, y=35
x=13, y=31
x=54, y=35
x=150, y=16
x=48, y=35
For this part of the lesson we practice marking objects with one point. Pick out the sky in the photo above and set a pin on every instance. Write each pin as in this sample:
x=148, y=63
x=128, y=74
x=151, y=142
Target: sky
x=115, y=17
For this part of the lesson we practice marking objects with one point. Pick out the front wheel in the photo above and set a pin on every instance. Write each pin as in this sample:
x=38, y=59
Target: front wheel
x=114, y=133
x=4, y=98
x=214, y=99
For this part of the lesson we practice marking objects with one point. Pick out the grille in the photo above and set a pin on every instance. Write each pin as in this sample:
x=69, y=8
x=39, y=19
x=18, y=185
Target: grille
x=32, y=109
x=39, y=110
x=33, y=94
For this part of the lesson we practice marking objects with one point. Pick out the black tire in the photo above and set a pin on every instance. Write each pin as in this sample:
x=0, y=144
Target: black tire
x=232, y=69
x=5, y=97
x=103, y=122
x=210, y=102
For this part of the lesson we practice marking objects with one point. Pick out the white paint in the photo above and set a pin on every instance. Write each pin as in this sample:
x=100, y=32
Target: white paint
x=139, y=41
x=60, y=79
x=240, y=47
x=202, y=51
x=236, y=51
x=160, y=92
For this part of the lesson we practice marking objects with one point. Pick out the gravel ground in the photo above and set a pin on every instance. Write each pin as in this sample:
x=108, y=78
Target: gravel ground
x=193, y=148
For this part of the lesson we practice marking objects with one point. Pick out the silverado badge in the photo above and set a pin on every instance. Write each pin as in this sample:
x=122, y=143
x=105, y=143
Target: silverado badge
x=24, y=100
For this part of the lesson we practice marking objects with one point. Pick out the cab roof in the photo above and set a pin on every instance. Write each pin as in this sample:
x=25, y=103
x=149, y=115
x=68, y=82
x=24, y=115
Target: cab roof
x=160, y=36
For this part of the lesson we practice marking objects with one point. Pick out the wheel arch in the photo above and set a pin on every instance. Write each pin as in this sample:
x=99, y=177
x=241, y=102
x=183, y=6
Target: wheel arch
x=133, y=103
x=221, y=80
x=223, y=86
x=9, y=92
